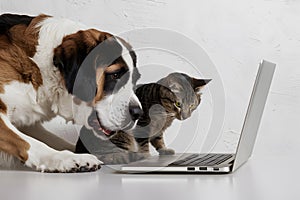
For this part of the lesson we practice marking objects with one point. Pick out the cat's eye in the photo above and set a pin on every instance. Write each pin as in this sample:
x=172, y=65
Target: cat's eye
x=177, y=104
x=192, y=106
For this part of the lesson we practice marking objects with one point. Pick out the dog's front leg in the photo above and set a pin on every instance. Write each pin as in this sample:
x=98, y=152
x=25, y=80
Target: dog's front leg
x=38, y=155
x=38, y=132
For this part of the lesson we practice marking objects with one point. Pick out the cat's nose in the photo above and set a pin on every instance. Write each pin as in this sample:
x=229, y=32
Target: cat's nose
x=135, y=112
x=185, y=115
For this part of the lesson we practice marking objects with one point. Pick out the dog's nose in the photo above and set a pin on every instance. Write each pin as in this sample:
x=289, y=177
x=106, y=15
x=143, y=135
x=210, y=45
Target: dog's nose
x=136, y=112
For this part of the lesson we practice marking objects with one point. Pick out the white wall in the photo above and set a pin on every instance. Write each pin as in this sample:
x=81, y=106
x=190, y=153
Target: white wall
x=235, y=34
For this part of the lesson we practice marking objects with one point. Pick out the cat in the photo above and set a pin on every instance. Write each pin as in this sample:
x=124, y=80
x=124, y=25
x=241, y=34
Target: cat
x=178, y=96
x=175, y=96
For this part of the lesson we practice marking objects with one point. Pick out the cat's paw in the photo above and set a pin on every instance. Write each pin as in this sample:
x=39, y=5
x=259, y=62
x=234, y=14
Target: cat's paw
x=166, y=151
x=136, y=156
x=117, y=158
x=114, y=158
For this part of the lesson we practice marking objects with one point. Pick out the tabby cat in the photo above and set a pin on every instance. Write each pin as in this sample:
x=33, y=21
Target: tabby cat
x=173, y=97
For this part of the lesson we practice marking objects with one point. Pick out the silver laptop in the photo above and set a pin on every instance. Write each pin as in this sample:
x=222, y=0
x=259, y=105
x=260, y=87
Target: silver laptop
x=216, y=162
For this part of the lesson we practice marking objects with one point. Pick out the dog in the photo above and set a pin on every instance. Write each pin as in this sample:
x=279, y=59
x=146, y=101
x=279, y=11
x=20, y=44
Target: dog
x=56, y=67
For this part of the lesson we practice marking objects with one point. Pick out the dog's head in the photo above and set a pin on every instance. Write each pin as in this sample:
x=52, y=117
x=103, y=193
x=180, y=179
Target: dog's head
x=100, y=69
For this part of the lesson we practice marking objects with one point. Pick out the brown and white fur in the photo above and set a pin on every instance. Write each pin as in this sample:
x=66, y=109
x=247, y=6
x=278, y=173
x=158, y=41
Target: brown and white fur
x=39, y=58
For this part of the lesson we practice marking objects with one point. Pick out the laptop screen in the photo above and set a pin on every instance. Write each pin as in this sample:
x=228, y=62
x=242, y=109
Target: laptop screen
x=254, y=113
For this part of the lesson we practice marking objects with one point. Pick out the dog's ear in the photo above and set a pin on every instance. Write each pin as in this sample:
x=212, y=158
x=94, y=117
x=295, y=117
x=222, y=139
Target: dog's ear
x=80, y=80
x=80, y=55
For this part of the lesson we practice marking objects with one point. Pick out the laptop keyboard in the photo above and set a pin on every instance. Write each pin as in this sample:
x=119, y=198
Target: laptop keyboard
x=202, y=160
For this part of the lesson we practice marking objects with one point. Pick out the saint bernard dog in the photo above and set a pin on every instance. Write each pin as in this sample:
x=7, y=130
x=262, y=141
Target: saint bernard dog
x=56, y=67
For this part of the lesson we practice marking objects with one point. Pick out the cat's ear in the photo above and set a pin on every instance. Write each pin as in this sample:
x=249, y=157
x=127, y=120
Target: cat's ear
x=198, y=84
x=174, y=87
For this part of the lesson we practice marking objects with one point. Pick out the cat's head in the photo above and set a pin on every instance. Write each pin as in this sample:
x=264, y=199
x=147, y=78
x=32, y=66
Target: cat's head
x=187, y=92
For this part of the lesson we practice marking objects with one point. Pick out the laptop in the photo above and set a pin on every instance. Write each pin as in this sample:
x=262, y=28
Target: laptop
x=216, y=162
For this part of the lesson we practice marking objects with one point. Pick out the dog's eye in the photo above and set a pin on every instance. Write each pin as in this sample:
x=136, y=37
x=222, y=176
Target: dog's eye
x=116, y=76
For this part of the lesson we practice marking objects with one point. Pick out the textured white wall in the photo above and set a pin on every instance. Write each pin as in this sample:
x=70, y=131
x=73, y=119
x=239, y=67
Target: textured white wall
x=235, y=34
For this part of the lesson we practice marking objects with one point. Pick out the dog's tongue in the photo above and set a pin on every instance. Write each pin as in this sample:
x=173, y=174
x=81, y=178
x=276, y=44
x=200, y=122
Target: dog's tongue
x=105, y=131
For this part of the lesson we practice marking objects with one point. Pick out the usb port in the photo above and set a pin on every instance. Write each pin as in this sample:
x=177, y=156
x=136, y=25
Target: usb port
x=191, y=168
x=216, y=169
x=203, y=168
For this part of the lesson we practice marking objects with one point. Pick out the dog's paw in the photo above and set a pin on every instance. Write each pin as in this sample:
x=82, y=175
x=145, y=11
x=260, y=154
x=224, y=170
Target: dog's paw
x=68, y=162
x=166, y=151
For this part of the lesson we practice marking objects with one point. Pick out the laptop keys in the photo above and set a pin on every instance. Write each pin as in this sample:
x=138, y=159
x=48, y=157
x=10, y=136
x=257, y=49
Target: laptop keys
x=202, y=160
x=186, y=159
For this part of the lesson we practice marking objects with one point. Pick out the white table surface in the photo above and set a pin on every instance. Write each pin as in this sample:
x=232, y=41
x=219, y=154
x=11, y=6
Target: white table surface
x=260, y=178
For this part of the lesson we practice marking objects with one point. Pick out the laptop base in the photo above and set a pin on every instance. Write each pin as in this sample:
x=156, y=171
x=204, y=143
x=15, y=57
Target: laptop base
x=167, y=164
